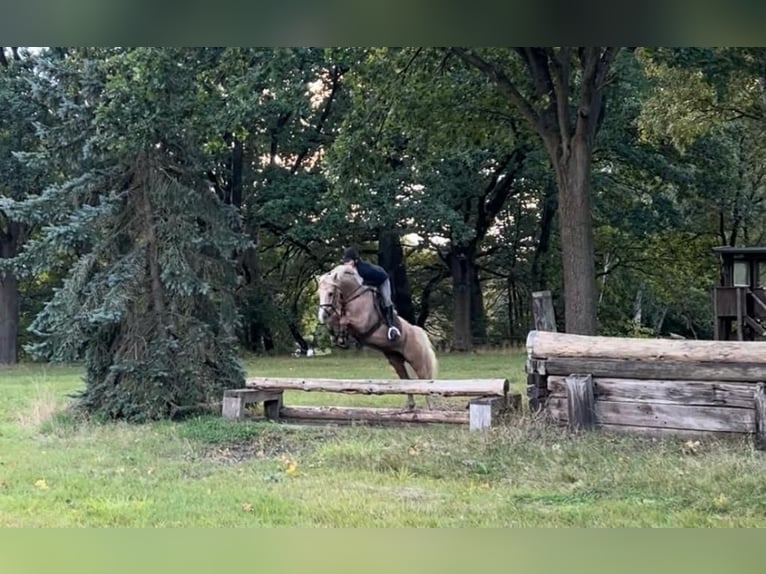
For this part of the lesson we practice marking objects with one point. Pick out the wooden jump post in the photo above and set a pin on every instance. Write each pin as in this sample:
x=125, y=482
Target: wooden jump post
x=489, y=398
x=544, y=317
x=653, y=386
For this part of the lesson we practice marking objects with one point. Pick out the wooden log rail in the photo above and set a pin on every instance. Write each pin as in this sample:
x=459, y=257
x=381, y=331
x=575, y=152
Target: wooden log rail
x=489, y=398
x=653, y=386
x=373, y=414
x=442, y=387
x=544, y=344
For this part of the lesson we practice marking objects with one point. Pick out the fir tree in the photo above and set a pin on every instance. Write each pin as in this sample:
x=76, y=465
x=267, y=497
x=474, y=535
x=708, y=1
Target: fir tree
x=149, y=301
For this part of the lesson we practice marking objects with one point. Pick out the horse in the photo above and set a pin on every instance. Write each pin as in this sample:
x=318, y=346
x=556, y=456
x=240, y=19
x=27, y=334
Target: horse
x=346, y=305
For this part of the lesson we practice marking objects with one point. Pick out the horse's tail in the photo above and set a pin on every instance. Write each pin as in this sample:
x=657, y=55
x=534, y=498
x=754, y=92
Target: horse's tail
x=430, y=365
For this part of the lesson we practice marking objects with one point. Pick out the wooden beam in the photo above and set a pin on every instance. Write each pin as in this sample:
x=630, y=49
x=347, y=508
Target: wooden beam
x=443, y=387
x=759, y=400
x=755, y=325
x=483, y=413
x=757, y=300
x=373, y=415
x=542, y=311
x=739, y=314
x=648, y=415
x=701, y=393
x=545, y=345
x=580, y=410
x=235, y=401
x=659, y=369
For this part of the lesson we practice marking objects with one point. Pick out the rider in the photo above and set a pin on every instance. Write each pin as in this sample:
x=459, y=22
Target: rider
x=375, y=275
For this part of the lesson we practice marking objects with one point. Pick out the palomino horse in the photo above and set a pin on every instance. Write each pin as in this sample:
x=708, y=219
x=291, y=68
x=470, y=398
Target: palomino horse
x=348, y=306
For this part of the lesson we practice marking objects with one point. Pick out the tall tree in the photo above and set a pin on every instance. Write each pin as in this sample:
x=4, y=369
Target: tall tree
x=561, y=98
x=149, y=300
x=391, y=258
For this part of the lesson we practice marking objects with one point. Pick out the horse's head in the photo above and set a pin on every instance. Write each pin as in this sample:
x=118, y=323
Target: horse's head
x=331, y=289
x=329, y=297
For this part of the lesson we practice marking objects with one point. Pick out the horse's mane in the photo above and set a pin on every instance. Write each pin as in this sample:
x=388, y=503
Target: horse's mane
x=337, y=275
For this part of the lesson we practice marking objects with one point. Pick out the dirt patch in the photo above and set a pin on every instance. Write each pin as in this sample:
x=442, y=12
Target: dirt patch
x=265, y=446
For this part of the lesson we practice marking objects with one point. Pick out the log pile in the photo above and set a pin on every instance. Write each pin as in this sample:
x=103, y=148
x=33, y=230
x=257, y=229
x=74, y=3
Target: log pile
x=652, y=386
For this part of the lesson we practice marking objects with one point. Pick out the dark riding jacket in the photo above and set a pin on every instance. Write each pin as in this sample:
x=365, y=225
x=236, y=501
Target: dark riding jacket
x=371, y=274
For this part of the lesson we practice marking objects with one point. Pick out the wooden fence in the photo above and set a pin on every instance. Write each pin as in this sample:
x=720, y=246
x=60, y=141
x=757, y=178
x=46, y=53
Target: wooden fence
x=489, y=398
x=652, y=386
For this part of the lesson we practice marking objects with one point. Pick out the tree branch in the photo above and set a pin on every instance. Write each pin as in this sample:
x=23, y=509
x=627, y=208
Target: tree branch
x=595, y=66
x=560, y=64
x=412, y=60
x=499, y=190
x=505, y=84
x=337, y=74
x=535, y=59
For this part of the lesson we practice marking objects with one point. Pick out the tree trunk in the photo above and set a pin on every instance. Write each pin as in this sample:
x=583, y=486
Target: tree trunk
x=462, y=263
x=478, y=317
x=235, y=185
x=425, y=297
x=9, y=298
x=539, y=277
x=9, y=319
x=391, y=258
x=565, y=109
x=510, y=295
x=576, y=229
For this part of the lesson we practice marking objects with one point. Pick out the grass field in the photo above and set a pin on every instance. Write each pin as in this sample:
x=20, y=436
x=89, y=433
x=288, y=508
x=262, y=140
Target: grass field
x=58, y=471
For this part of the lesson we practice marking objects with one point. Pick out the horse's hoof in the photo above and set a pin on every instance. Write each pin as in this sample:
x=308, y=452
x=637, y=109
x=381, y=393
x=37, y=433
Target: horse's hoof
x=393, y=333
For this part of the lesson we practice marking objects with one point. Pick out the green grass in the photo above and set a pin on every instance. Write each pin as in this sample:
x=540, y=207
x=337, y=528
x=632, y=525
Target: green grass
x=56, y=470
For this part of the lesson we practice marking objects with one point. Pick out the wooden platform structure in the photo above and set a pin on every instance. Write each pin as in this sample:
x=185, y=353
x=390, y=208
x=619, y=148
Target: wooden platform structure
x=651, y=386
x=739, y=302
x=488, y=399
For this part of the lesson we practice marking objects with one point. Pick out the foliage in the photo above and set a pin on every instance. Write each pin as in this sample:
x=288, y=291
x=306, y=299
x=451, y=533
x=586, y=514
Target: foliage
x=298, y=152
x=18, y=115
x=428, y=149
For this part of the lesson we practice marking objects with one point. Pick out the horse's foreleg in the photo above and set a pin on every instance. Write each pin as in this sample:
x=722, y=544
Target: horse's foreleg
x=342, y=333
x=397, y=362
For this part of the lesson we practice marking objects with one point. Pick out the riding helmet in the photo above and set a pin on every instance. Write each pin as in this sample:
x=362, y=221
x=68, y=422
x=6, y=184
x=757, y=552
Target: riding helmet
x=350, y=254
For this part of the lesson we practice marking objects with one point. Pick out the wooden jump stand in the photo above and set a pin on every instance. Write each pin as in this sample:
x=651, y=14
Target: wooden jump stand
x=489, y=399
x=652, y=386
x=647, y=386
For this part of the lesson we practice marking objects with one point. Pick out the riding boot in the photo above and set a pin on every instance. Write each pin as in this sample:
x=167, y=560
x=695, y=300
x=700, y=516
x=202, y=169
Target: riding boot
x=393, y=331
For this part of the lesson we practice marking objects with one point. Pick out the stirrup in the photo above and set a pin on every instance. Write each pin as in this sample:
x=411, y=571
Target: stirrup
x=393, y=333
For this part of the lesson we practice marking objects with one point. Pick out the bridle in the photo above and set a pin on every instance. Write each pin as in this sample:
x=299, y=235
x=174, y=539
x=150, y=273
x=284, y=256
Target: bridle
x=338, y=304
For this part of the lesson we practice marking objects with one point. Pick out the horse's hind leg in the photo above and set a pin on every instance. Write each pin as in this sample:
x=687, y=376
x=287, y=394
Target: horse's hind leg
x=397, y=362
x=421, y=373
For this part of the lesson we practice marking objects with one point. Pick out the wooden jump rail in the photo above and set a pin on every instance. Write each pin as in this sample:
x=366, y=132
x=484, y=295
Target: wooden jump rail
x=653, y=386
x=489, y=398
